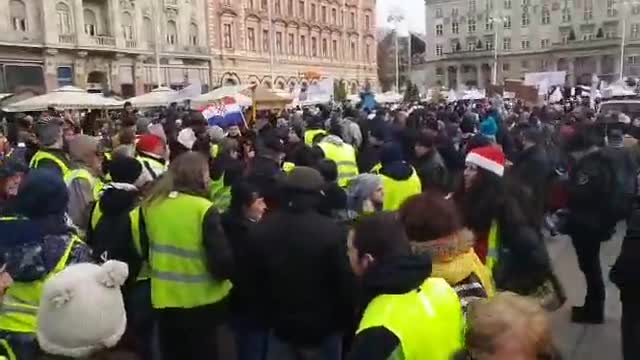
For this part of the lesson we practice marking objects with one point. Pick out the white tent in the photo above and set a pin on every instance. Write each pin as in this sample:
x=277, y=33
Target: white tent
x=388, y=97
x=238, y=92
x=162, y=96
x=474, y=94
x=617, y=89
x=66, y=97
x=452, y=96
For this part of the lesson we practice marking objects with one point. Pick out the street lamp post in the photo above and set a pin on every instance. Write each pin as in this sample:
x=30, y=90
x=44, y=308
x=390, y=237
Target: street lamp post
x=625, y=6
x=396, y=20
x=495, y=21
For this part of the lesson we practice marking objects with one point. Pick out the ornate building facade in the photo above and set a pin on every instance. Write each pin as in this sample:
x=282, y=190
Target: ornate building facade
x=285, y=43
x=112, y=44
x=581, y=37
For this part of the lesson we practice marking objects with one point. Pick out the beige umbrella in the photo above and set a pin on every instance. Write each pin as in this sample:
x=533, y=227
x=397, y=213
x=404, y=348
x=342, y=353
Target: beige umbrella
x=238, y=92
x=64, y=98
x=267, y=99
x=162, y=96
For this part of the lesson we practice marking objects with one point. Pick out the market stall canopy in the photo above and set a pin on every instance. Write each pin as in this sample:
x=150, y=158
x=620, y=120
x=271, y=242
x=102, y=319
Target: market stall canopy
x=65, y=98
x=238, y=92
x=267, y=99
x=162, y=96
x=388, y=97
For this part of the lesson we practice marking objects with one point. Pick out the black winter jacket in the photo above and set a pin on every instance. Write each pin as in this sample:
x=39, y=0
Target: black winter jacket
x=626, y=271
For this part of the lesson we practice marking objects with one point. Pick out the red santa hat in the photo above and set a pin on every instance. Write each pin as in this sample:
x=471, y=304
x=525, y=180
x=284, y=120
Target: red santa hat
x=490, y=158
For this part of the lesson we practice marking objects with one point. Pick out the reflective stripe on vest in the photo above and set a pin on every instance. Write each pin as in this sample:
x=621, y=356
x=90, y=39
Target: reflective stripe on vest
x=397, y=191
x=428, y=321
x=44, y=155
x=154, y=166
x=8, y=350
x=493, y=247
x=213, y=150
x=134, y=219
x=180, y=277
x=96, y=215
x=345, y=158
x=18, y=312
x=309, y=135
x=288, y=166
x=96, y=184
x=220, y=195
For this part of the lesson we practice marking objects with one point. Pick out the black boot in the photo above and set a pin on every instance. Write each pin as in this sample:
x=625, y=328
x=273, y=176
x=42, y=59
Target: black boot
x=587, y=315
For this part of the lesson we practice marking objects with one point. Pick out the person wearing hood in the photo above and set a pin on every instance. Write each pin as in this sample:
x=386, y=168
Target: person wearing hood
x=51, y=154
x=365, y=194
x=343, y=154
x=152, y=152
x=434, y=228
x=298, y=260
x=409, y=313
x=37, y=242
x=266, y=167
x=399, y=179
x=370, y=154
x=85, y=182
x=314, y=130
x=430, y=166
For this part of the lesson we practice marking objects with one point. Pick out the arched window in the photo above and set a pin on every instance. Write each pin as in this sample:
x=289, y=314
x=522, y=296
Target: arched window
x=193, y=34
x=149, y=33
x=63, y=18
x=18, y=14
x=172, y=32
x=280, y=85
x=127, y=26
x=90, y=22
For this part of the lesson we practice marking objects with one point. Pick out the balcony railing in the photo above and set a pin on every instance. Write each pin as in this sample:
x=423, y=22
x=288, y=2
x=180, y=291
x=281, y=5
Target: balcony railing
x=67, y=39
x=171, y=2
x=102, y=40
x=131, y=44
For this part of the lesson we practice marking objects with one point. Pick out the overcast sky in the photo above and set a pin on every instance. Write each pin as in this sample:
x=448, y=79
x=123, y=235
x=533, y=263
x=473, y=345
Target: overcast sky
x=413, y=11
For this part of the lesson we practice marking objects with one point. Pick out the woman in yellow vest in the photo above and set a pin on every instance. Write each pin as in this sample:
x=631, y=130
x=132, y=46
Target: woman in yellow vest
x=37, y=243
x=399, y=179
x=84, y=182
x=408, y=313
x=190, y=259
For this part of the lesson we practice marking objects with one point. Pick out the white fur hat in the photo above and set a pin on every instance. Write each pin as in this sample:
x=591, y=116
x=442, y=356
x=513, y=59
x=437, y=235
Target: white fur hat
x=82, y=310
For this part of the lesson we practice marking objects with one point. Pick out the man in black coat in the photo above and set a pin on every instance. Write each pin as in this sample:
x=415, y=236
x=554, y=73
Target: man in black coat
x=301, y=269
x=429, y=165
x=265, y=168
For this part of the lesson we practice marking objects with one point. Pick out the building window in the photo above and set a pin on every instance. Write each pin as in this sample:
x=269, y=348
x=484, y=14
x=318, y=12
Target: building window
x=91, y=23
x=525, y=44
x=472, y=6
x=149, y=33
x=314, y=47
x=279, y=42
x=524, y=64
x=313, y=12
x=635, y=9
x=588, y=13
x=353, y=20
x=454, y=13
x=353, y=50
x=455, y=28
x=193, y=34
x=545, y=43
x=507, y=22
x=439, y=30
x=228, y=40
x=506, y=67
x=438, y=13
x=471, y=26
x=303, y=45
x=566, y=15
x=251, y=39
x=507, y=4
x=18, y=14
x=612, y=11
x=290, y=7
x=127, y=26
x=439, y=50
x=471, y=45
x=334, y=46
x=546, y=15
x=301, y=9
x=635, y=31
x=367, y=53
x=334, y=17
x=252, y=4
x=367, y=22
x=525, y=18
x=325, y=48
x=611, y=33
x=65, y=76
x=172, y=33
x=488, y=44
x=488, y=25
x=265, y=41
x=526, y=3
x=264, y=4
x=278, y=7
x=63, y=17
x=292, y=44
x=324, y=14
x=506, y=44
x=587, y=36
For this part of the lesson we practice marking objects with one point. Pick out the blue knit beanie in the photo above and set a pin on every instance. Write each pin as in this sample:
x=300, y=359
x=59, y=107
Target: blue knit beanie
x=42, y=193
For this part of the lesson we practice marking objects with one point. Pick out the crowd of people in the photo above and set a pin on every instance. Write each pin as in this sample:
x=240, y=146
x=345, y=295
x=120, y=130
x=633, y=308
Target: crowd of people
x=415, y=231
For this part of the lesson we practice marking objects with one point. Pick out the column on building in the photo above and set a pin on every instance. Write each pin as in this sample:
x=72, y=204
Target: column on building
x=79, y=69
x=138, y=73
x=479, y=76
x=78, y=17
x=459, y=82
x=114, y=73
x=598, y=59
x=115, y=23
x=51, y=69
x=572, y=71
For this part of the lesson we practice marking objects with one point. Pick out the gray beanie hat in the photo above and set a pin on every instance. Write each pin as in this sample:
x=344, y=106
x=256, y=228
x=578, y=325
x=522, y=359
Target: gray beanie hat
x=304, y=179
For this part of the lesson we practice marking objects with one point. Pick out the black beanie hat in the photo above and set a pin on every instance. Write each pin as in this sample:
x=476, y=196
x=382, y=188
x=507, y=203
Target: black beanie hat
x=124, y=169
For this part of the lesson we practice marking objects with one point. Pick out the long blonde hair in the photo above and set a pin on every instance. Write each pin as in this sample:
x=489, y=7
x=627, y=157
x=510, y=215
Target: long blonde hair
x=187, y=173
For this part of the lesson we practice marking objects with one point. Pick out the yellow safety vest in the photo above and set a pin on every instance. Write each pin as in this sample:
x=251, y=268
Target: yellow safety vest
x=213, y=150
x=309, y=135
x=180, y=277
x=288, y=166
x=18, y=312
x=220, y=194
x=428, y=321
x=7, y=350
x=96, y=184
x=134, y=219
x=155, y=167
x=397, y=191
x=45, y=155
x=345, y=158
x=493, y=247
